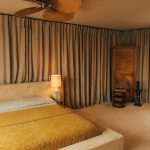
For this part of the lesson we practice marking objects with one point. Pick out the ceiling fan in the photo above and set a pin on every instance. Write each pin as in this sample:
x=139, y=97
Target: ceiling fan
x=54, y=10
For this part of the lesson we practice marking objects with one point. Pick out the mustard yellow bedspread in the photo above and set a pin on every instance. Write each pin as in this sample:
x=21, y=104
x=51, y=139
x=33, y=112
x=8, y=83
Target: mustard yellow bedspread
x=43, y=128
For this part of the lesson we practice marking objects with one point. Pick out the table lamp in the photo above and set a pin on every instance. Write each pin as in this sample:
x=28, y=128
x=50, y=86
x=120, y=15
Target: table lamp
x=56, y=84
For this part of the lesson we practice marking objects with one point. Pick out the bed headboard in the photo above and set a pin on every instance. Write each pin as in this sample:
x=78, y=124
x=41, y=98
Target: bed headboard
x=24, y=90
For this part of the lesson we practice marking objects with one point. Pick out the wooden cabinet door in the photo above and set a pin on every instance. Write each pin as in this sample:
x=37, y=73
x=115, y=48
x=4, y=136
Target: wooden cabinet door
x=124, y=69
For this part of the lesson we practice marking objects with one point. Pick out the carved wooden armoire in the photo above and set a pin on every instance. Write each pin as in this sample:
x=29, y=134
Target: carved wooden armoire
x=124, y=66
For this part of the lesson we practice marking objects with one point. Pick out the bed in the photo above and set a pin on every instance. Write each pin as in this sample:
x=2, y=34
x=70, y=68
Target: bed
x=31, y=121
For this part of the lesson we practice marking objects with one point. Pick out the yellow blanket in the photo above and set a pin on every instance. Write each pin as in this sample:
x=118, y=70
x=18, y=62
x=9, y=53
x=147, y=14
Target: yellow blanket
x=43, y=128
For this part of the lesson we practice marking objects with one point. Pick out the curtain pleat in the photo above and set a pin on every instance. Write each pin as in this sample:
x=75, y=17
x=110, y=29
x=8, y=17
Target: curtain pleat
x=31, y=50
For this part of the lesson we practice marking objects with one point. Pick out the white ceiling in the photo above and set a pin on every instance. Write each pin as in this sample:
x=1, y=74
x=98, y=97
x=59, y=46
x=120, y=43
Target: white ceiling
x=113, y=14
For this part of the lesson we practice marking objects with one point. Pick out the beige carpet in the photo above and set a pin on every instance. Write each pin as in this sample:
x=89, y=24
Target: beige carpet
x=132, y=122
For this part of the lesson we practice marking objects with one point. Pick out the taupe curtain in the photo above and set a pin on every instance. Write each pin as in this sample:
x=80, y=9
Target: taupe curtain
x=141, y=39
x=85, y=63
x=24, y=50
x=32, y=50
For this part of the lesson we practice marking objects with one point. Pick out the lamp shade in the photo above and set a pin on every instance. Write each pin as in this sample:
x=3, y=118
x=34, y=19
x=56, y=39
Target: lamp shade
x=56, y=81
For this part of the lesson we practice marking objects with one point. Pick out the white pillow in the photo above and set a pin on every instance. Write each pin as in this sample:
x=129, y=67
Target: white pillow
x=25, y=103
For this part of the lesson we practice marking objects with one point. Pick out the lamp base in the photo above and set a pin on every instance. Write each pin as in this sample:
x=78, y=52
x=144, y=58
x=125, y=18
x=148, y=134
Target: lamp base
x=56, y=96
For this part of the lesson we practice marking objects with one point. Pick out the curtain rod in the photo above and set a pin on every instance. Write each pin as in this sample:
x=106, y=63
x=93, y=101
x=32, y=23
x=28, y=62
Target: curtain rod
x=100, y=28
x=146, y=28
x=66, y=23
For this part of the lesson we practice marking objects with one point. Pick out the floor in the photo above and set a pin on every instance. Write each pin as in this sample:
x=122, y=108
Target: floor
x=132, y=122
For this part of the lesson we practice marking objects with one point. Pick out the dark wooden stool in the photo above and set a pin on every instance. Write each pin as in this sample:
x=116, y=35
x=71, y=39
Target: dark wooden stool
x=119, y=96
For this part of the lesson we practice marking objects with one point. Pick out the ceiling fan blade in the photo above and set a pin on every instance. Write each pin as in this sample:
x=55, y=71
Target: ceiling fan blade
x=53, y=15
x=67, y=6
x=42, y=1
x=28, y=11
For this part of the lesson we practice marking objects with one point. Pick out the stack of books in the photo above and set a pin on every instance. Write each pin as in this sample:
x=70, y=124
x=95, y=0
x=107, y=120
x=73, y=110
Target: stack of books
x=119, y=96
